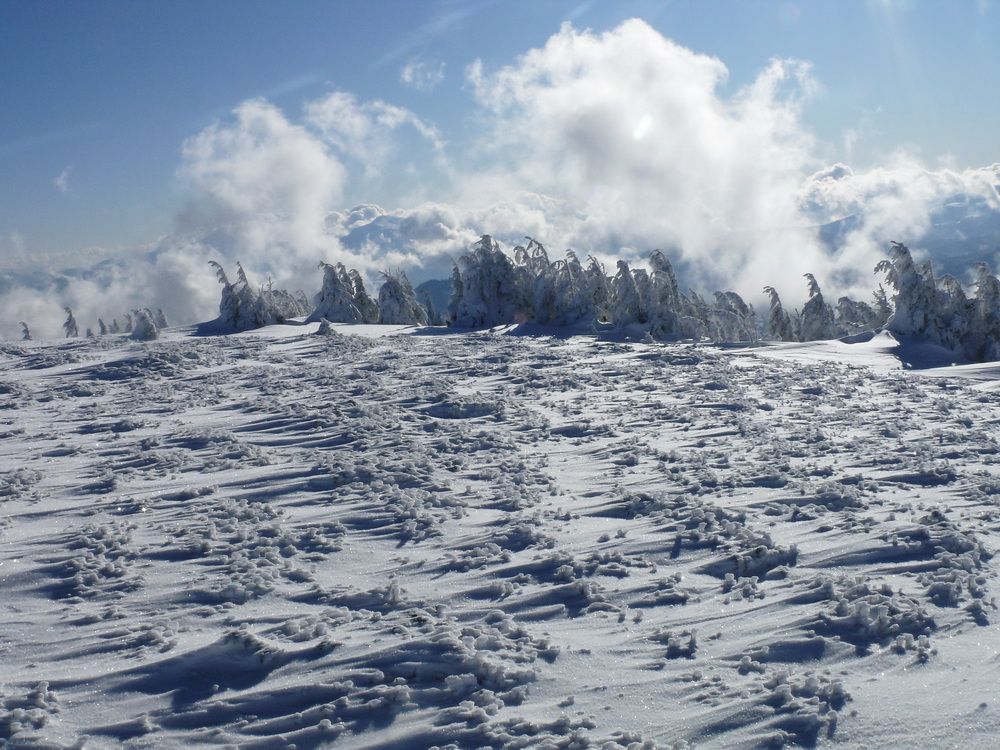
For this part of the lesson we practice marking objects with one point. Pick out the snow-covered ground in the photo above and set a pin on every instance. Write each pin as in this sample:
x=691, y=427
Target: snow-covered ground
x=393, y=538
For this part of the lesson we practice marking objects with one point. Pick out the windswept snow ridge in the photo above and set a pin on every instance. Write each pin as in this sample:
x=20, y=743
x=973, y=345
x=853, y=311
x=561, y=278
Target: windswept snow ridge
x=345, y=536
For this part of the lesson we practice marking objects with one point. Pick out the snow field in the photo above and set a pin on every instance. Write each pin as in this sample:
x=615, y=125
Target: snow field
x=475, y=539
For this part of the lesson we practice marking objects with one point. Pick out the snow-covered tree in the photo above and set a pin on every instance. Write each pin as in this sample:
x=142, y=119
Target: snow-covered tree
x=367, y=306
x=733, y=319
x=816, y=321
x=69, y=326
x=953, y=314
x=779, y=322
x=145, y=328
x=455, y=301
x=102, y=327
x=115, y=328
x=128, y=323
x=625, y=303
x=25, y=332
x=913, y=298
x=397, y=303
x=600, y=289
x=336, y=301
x=881, y=306
x=576, y=302
x=488, y=293
x=160, y=319
x=983, y=342
x=854, y=316
x=241, y=308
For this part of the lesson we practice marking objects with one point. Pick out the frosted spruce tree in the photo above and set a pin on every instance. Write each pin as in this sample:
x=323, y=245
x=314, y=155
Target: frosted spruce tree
x=625, y=303
x=576, y=306
x=779, y=323
x=335, y=300
x=69, y=326
x=983, y=342
x=397, y=302
x=668, y=311
x=488, y=293
x=25, y=332
x=145, y=328
x=343, y=298
x=733, y=319
x=600, y=289
x=366, y=305
x=913, y=297
x=816, y=321
x=853, y=316
x=242, y=308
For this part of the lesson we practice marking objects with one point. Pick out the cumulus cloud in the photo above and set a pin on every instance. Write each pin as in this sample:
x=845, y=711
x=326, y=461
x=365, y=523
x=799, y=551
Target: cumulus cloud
x=367, y=133
x=902, y=200
x=633, y=130
x=422, y=74
x=259, y=164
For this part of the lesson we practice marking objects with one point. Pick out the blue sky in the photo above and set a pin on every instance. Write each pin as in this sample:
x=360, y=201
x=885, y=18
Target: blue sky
x=100, y=97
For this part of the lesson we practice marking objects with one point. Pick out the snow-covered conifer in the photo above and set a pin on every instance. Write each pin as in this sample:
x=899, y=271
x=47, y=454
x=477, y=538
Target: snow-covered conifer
x=397, y=303
x=489, y=294
x=625, y=304
x=25, y=332
x=816, y=321
x=367, y=306
x=953, y=314
x=734, y=320
x=145, y=327
x=69, y=326
x=160, y=319
x=600, y=289
x=115, y=328
x=881, y=306
x=335, y=300
x=913, y=298
x=853, y=316
x=575, y=305
x=779, y=322
x=455, y=300
x=241, y=308
x=102, y=327
x=128, y=323
x=984, y=328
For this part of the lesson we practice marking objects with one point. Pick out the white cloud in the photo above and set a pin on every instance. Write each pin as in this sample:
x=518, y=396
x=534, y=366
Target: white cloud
x=366, y=133
x=632, y=130
x=62, y=181
x=422, y=74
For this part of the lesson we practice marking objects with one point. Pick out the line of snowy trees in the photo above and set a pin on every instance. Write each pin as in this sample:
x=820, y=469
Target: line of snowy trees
x=819, y=320
x=141, y=325
x=491, y=287
x=940, y=310
x=342, y=299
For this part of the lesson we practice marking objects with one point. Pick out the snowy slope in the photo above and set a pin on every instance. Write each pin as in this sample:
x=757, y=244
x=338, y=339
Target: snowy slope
x=390, y=538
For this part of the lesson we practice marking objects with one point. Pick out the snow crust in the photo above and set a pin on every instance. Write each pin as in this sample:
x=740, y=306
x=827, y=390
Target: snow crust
x=322, y=535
